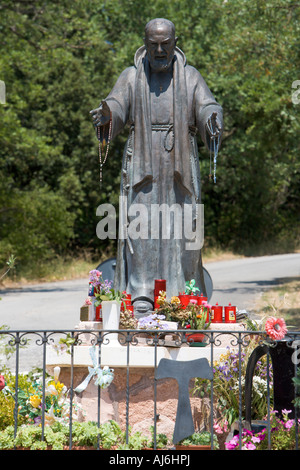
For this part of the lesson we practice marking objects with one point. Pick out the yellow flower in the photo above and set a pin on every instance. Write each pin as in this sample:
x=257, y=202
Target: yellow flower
x=162, y=297
x=175, y=300
x=35, y=401
x=55, y=388
x=224, y=357
x=59, y=387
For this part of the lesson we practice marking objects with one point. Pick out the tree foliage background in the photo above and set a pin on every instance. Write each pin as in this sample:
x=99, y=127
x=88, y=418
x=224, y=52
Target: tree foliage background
x=58, y=59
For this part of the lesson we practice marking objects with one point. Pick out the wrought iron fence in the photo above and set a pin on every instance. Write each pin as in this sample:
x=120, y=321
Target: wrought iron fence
x=235, y=354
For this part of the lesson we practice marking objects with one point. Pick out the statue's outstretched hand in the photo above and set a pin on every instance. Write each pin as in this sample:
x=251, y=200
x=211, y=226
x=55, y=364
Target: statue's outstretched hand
x=213, y=125
x=101, y=115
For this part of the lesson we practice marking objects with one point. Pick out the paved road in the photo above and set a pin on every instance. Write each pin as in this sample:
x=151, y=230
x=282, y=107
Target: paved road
x=50, y=305
x=241, y=281
x=46, y=306
x=56, y=305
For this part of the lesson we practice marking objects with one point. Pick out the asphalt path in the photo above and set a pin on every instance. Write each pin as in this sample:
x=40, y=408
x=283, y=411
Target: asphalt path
x=56, y=305
x=242, y=281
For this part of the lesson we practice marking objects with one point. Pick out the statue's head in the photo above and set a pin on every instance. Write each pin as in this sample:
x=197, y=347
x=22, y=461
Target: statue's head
x=160, y=42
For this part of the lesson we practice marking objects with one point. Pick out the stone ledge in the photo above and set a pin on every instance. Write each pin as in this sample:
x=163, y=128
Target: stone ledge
x=142, y=355
x=139, y=356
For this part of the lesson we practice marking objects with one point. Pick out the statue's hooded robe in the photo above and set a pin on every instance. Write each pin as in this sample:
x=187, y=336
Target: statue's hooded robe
x=160, y=166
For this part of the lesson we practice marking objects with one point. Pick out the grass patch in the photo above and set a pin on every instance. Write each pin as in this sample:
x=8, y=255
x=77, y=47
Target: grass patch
x=57, y=269
x=282, y=301
x=211, y=255
x=63, y=268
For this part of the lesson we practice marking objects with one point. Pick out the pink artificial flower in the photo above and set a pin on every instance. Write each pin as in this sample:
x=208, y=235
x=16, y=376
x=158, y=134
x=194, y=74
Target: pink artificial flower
x=276, y=328
x=221, y=427
x=225, y=426
x=233, y=443
x=192, y=301
x=218, y=429
x=88, y=301
x=289, y=424
x=249, y=446
x=2, y=382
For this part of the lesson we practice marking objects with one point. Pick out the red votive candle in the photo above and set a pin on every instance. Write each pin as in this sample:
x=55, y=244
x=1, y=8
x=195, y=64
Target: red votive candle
x=216, y=313
x=159, y=284
x=201, y=298
x=230, y=314
x=98, y=313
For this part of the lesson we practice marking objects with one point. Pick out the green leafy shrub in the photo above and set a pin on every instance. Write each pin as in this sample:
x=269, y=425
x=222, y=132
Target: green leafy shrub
x=200, y=438
x=7, y=438
x=86, y=434
x=7, y=402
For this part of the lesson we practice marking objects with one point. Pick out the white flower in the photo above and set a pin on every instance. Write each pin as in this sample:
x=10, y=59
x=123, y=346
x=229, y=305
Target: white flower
x=50, y=417
x=259, y=385
x=56, y=373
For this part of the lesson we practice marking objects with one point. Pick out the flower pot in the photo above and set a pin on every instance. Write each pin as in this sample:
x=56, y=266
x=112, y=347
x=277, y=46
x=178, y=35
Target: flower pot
x=185, y=299
x=196, y=340
x=111, y=319
x=192, y=447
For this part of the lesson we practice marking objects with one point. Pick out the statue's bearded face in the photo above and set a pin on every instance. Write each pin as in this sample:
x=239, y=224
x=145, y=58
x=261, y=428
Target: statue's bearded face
x=160, y=43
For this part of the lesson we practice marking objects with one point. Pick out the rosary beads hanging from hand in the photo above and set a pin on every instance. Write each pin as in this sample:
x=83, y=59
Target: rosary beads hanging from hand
x=102, y=143
x=214, y=130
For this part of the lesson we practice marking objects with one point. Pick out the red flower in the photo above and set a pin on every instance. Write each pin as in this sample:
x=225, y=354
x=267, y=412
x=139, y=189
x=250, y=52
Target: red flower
x=276, y=328
x=2, y=382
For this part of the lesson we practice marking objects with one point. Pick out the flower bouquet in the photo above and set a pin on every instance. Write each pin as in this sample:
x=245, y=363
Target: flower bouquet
x=153, y=322
x=103, y=289
x=110, y=300
x=54, y=403
x=198, y=320
x=172, y=310
x=283, y=435
x=128, y=321
x=161, y=329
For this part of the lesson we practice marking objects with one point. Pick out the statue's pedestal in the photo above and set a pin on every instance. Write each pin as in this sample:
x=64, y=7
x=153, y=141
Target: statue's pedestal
x=134, y=368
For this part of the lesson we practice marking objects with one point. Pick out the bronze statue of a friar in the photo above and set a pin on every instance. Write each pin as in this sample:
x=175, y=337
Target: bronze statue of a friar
x=165, y=102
